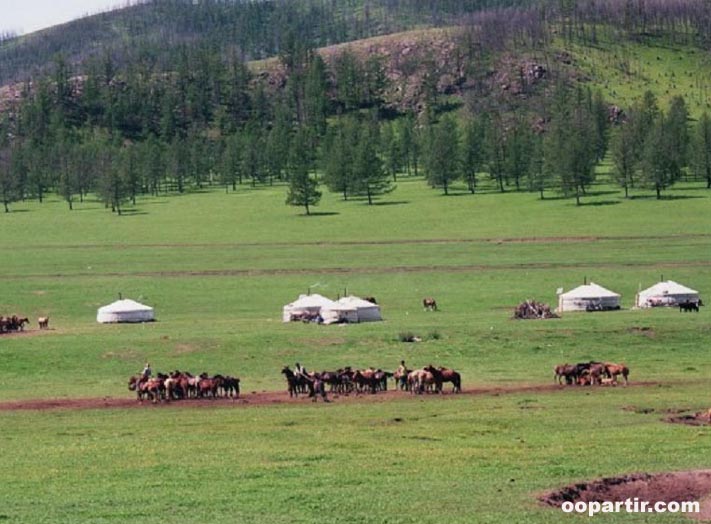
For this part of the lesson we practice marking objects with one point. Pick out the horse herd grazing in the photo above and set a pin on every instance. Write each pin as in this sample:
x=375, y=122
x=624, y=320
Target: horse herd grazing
x=345, y=381
x=182, y=385
x=591, y=373
x=13, y=324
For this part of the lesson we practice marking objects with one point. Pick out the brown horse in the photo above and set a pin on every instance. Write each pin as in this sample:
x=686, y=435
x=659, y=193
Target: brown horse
x=613, y=370
x=429, y=304
x=421, y=380
x=564, y=371
x=442, y=375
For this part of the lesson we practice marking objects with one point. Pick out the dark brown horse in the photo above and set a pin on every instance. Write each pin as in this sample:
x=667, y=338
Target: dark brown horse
x=429, y=304
x=566, y=372
x=442, y=375
x=296, y=385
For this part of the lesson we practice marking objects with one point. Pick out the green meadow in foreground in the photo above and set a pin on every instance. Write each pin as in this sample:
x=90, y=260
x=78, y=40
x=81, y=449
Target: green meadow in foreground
x=219, y=267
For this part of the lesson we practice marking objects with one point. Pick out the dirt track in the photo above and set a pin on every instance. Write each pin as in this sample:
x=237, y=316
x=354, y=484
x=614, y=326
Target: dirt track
x=268, y=398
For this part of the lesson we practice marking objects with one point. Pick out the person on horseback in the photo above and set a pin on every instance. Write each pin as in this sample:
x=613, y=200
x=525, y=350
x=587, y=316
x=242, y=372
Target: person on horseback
x=147, y=372
x=300, y=371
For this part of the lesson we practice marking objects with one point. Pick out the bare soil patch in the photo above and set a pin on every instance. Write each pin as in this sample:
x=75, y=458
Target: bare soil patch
x=683, y=486
x=699, y=418
x=266, y=398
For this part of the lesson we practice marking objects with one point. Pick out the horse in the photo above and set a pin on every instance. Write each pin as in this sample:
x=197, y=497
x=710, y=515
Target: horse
x=296, y=384
x=43, y=322
x=564, y=371
x=208, y=387
x=421, y=380
x=449, y=375
x=19, y=322
x=230, y=387
x=151, y=388
x=366, y=379
x=429, y=304
x=685, y=307
x=613, y=370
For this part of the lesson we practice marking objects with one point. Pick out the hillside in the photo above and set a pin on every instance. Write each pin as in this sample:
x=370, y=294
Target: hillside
x=530, y=97
x=159, y=29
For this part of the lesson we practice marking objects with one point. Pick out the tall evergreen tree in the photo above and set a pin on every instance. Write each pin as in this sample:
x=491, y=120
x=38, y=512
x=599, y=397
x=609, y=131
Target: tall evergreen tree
x=474, y=137
x=660, y=163
x=624, y=157
x=369, y=176
x=443, y=154
x=701, y=149
x=303, y=188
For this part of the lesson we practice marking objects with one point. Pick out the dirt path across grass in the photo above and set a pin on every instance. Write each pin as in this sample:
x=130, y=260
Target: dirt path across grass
x=361, y=270
x=484, y=240
x=268, y=398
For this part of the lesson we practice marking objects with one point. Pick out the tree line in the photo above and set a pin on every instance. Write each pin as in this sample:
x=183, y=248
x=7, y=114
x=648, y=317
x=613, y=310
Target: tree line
x=124, y=129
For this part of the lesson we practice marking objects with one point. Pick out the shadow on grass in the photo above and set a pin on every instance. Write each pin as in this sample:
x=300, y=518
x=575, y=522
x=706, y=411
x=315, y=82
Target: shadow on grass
x=132, y=212
x=600, y=203
x=319, y=214
x=14, y=211
x=392, y=203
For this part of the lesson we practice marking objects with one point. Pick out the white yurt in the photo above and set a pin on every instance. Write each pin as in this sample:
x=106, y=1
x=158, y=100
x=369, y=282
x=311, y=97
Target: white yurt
x=367, y=311
x=125, y=310
x=306, y=305
x=667, y=293
x=339, y=313
x=351, y=309
x=588, y=297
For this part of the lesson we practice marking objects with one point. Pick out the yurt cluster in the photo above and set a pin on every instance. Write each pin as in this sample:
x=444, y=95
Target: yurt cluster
x=593, y=297
x=352, y=309
x=322, y=310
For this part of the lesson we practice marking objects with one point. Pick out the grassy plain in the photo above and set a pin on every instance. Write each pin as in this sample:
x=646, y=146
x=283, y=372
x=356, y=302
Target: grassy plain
x=218, y=268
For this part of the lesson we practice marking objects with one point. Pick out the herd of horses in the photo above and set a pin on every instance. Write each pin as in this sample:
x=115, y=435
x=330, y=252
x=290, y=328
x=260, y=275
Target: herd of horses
x=345, y=381
x=182, y=385
x=13, y=323
x=591, y=373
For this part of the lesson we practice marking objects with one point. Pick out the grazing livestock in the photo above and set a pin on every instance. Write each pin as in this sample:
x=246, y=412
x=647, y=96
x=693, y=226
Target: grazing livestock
x=590, y=373
x=296, y=384
x=43, y=322
x=565, y=372
x=429, y=304
x=442, y=375
x=421, y=380
x=685, y=307
x=613, y=370
x=13, y=323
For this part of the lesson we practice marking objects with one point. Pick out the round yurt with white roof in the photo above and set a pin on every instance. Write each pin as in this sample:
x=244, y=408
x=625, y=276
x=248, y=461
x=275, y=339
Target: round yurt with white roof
x=125, y=310
x=588, y=297
x=667, y=293
x=306, y=307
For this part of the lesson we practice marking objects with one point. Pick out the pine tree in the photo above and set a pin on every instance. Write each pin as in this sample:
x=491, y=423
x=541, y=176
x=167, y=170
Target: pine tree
x=701, y=149
x=370, y=178
x=443, y=154
x=473, y=155
x=303, y=188
x=624, y=157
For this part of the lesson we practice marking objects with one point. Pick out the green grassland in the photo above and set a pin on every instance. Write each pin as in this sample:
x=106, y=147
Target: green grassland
x=218, y=268
x=623, y=70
